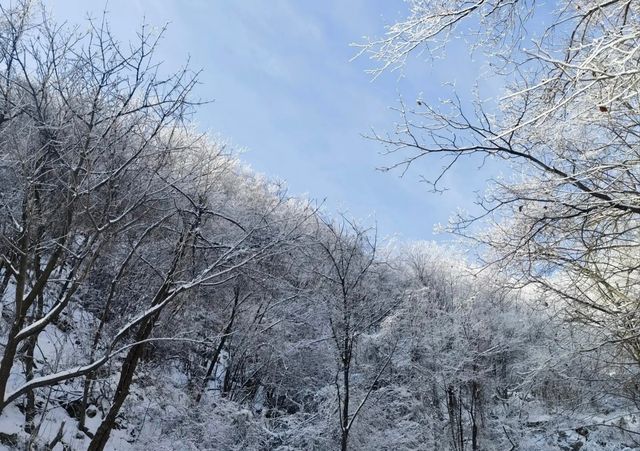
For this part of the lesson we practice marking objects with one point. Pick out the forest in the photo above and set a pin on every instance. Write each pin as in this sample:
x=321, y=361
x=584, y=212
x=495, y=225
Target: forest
x=157, y=294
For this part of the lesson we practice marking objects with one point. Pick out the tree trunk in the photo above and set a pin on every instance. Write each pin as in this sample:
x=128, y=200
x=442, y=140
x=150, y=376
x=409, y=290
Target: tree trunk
x=22, y=304
x=11, y=345
x=344, y=441
x=346, y=367
x=99, y=440
x=30, y=407
x=6, y=277
x=220, y=347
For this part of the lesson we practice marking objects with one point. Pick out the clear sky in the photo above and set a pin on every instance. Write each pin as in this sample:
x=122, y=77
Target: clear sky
x=284, y=91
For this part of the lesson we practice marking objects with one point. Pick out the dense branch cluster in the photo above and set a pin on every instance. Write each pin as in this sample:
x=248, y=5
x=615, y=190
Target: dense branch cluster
x=156, y=294
x=567, y=127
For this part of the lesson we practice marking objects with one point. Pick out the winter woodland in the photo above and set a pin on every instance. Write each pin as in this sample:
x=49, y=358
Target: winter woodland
x=158, y=295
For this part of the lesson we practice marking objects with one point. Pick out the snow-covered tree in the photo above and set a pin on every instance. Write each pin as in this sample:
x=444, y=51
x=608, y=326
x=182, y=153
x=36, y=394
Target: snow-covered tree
x=565, y=126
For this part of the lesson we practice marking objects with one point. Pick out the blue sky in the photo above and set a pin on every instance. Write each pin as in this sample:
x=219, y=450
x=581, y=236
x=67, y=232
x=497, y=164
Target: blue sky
x=284, y=91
